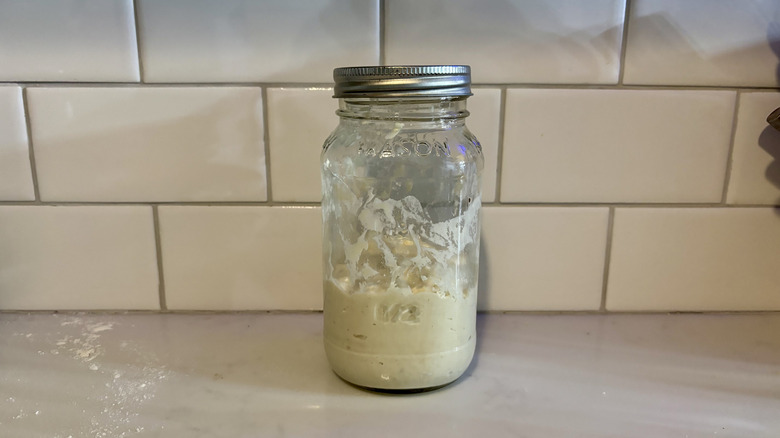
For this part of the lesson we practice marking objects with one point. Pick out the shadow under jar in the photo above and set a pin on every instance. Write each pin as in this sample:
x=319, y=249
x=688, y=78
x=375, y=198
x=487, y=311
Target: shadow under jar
x=401, y=210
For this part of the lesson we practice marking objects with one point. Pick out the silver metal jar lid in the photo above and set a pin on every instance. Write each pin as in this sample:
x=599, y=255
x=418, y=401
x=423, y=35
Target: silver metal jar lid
x=403, y=81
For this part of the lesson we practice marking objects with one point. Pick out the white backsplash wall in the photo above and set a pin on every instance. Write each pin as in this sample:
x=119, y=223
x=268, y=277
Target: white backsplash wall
x=165, y=155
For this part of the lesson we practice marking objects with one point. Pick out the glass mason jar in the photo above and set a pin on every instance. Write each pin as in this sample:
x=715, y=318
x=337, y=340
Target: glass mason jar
x=401, y=181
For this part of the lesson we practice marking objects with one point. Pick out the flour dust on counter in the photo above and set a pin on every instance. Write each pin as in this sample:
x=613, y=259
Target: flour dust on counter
x=260, y=375
x=75, y=382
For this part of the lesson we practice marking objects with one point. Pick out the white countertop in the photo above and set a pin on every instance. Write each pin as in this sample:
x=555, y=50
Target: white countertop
x=265, y=375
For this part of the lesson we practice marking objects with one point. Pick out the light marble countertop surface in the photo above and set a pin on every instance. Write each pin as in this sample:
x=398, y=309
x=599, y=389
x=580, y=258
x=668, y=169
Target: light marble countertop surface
x=266, y=375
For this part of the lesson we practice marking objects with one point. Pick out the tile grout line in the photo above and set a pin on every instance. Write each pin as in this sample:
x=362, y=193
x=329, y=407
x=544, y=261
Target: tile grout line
x=500, y=147
x=624, y=43
x=138, y=42
x=730, y=156
x=517, y=85
x=634, y=87
x=125, y=84
x=317, y=204
x=381, y=18
x=266, y=146
x=158, y=249
x=607, y=259
x=281, y=312
x=30, y=149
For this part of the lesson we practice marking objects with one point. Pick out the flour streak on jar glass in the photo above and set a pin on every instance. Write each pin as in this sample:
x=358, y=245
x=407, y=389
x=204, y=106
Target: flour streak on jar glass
x=401, y=205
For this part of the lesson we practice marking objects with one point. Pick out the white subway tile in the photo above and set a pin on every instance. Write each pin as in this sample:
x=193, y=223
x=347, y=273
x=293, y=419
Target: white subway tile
x=299, y=121
x=755, y=166
x=695, y=259
x=235, y=40
x=542, y=258
x=703, y=42
x=556, y=41
x=485, y=109
x=148, y=144
x=15, y=174
x=615, y=145
x=87, y=40
x=242, y=258
x=77, y=258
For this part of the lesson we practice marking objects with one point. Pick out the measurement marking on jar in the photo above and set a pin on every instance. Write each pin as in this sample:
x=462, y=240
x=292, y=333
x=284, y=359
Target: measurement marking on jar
x=404, y=313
